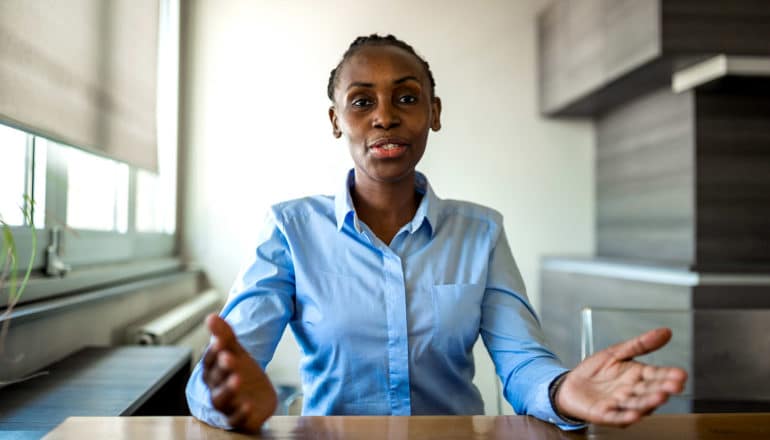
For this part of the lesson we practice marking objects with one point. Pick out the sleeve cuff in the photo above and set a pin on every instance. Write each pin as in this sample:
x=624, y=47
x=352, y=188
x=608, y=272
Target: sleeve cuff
x=553, y=388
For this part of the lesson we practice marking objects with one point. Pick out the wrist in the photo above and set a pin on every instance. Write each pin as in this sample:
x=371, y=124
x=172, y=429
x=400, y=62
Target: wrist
x=554, y=396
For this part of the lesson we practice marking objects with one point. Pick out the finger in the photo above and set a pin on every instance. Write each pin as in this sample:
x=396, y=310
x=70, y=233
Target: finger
x=652, y=386
x=642, y=344
x=611, y=414
x=226, y=360
x=650, y=372
x=224, y=399
x=222, y=331
x=644, y=403
x=215, y=376
x=210, y=356
x=219, y=369
x=229, y=392
x=669, y=379
x=621, y=418
x=239, y=418
x=253, y=422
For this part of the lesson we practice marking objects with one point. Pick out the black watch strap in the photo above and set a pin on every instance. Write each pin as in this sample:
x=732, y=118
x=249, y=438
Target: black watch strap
x=553, y=388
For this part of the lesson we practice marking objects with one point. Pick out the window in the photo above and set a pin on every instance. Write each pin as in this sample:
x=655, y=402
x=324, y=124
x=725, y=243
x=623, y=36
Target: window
x=113, y=222
x=13, y=174
x=97, y=192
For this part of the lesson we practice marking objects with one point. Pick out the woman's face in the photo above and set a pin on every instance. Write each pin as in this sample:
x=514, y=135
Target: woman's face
x=383, y=108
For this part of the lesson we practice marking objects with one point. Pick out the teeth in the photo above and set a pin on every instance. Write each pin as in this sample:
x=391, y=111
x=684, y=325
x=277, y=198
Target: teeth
x=389, y=146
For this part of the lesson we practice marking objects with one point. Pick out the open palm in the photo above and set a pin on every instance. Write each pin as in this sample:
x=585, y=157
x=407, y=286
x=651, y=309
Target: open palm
x=611, y=388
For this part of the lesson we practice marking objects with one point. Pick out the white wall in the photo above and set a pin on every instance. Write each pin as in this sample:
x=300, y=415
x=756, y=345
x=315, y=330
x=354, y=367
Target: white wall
x=255, y=130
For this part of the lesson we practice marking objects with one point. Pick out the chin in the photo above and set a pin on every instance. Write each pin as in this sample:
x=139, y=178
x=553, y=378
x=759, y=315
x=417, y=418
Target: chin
x=388, y=174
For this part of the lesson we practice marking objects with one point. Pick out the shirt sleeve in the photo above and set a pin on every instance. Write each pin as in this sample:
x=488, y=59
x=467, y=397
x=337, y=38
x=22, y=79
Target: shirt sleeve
x=260, y=304
x=512, y=334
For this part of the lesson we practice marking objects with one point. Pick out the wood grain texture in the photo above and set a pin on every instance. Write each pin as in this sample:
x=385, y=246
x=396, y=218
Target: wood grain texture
x=585, y=45
x=731, y=296
x=685, y=178
x=93, y=382
x=736, y=27
x=644, y=179
x=596, y=55
x=733, y=174
x=660, y=427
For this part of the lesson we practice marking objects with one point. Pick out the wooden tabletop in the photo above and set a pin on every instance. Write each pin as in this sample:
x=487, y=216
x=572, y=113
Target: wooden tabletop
x=656, y=427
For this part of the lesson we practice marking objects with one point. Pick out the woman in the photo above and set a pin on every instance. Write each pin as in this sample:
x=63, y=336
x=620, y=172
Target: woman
x=387, y=287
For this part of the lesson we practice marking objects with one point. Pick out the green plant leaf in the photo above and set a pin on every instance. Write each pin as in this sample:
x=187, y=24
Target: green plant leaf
x=9, y=248
x=6, y=248
x=9, y=251
x=30, y=221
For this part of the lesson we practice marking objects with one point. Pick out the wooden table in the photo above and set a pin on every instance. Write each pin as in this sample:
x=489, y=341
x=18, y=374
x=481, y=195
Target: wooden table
x=657, y=427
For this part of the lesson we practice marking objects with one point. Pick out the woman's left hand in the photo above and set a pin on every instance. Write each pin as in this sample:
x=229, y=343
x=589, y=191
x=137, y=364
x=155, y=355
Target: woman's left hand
x=611, y=388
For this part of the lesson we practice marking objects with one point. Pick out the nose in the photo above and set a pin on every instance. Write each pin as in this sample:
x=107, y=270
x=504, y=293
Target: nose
x=385, y=116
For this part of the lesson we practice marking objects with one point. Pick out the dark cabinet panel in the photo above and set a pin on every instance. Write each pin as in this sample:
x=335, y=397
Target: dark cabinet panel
x=733, y=175
x=685, y=177
x=596, y=54
x=735, y=27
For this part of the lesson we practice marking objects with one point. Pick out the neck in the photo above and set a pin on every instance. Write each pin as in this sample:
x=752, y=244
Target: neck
x=385, y=206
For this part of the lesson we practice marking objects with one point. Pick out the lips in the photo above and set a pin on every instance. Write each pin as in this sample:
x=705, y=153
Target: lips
x=388, y=148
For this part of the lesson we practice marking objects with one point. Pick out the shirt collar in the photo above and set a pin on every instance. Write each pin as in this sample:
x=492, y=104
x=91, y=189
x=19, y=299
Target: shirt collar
x=427, y=211
x=343, y=202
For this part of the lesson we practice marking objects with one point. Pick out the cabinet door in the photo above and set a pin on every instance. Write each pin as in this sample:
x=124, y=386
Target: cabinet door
x=586, y=44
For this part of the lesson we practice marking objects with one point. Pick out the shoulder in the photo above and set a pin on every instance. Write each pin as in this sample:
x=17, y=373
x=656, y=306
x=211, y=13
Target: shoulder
x=301, y=209
x=471, y=212
x=470, y=219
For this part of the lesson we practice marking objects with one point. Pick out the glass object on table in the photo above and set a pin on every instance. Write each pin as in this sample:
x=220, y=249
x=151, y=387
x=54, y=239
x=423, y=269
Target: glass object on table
x=723, y=350
x=603, y=327
x=289, y=400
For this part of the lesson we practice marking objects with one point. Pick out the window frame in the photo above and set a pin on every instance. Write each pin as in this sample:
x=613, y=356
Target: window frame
x=96, y=257
x=101, y=258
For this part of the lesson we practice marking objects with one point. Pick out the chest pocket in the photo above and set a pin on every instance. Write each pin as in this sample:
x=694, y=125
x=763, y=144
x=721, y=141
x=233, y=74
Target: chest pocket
x=457, y=311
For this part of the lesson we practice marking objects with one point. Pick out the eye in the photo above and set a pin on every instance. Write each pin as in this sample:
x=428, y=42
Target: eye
x=362, y=102
x=407, y=99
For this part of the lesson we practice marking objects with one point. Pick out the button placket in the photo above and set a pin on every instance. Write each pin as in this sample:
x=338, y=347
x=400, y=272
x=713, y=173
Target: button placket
x=398, y=350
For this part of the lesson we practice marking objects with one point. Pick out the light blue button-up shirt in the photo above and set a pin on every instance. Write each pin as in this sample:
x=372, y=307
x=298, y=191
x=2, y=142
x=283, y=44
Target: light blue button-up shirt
x=388, y=329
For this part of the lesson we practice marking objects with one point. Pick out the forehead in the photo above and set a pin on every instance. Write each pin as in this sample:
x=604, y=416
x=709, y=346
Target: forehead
x=384, y=63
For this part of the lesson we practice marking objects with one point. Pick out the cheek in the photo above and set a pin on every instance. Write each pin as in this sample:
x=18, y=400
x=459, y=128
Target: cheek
x=420, y=120
x=351, y=125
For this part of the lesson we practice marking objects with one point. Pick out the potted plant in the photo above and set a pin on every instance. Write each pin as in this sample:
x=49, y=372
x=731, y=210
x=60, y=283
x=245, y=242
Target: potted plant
x=9, y=275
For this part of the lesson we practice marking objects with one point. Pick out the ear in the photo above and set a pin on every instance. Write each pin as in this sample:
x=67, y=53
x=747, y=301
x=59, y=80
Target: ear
x=435, y=120
x=336, y=132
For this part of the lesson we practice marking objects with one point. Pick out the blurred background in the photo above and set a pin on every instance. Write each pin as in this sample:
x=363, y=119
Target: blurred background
x=625, y=142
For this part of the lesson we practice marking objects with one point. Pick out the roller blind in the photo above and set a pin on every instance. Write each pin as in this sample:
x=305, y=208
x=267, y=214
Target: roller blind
x=84, y=73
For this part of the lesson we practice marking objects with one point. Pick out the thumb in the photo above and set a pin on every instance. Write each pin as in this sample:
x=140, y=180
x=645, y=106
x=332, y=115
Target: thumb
x=645, y=343
x=221, y=330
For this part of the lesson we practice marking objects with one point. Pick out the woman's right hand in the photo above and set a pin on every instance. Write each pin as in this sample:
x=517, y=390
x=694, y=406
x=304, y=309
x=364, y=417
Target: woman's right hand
x=239, y=387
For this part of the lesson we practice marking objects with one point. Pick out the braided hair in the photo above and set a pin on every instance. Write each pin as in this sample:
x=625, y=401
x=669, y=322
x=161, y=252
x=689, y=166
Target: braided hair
x=376, y=40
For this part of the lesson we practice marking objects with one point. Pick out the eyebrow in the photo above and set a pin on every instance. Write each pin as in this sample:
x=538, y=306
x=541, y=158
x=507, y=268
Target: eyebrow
x=405, y=79
x=370, y=85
